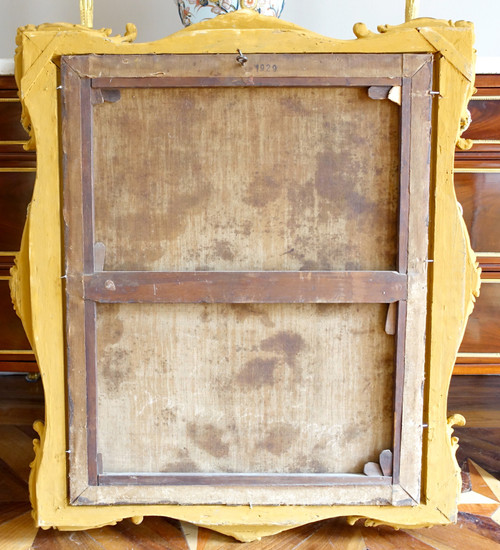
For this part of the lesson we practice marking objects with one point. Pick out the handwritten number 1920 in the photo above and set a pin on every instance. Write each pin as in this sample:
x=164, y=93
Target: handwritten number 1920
x=266, y=68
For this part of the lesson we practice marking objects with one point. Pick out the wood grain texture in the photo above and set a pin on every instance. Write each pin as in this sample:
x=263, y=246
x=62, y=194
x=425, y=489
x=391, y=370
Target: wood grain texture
x=485, y=115
x=16, y=189
x=476, y=368
x=487, y=82
x=483, y=330
x=18, y=533
x=481, y=155
x=366, y=66
x=246, y=287
x=20, y=402
x=12, y=336
x=453, y=537
x=479, y=195
x=413, y=314
x=73, y=170
x=10, y=122
x=239, y=81
x=15, y=193
x=8, y=85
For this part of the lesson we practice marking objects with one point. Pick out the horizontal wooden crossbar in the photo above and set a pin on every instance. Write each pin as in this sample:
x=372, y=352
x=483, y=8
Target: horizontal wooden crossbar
x=283, y=480
x=246, y=287
x=233, y=81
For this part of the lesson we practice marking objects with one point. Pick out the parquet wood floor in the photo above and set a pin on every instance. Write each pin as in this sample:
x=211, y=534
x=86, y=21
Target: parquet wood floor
x=477, y=529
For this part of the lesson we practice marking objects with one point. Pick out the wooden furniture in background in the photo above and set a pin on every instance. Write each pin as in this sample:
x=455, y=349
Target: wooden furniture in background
x=477, y=184
x=17, y=176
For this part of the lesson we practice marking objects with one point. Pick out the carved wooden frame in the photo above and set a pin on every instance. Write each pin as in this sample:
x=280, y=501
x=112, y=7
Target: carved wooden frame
x=38, y=291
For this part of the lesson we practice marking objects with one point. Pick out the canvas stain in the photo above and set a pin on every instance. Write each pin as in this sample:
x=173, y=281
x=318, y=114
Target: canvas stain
x=223, y=250
x=181, y=466
x=295, y=105
x=331, y=181
x=168, y=415
x=113, y=372
x=285, y=343
x=258, y=372
x=114, y=330
x=262, y=190
x=279, y=438
x=208, y=438
x=182, y=206
x=326, y=167
x=242, y=312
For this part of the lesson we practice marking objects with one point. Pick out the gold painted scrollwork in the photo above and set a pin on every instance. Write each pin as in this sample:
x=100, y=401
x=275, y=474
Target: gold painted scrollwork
x=38, y=445
x=454, y=420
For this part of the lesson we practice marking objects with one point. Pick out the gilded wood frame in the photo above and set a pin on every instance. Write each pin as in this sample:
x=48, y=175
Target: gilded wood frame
x=38, y=291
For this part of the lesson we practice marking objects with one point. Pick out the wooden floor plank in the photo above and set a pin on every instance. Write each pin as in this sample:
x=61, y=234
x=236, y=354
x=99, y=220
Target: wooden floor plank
x=481, y=445
x=20, y=414
x=63, y=540
x=10, y=510
x=109, y=538
x=190, y=532
x=18, y=533
x=487, y=481
x=485, y=527
x=454, y=537
x=216, y=541
x=293, y=539
x=203, y=538
x=120, y=537
x=12, y=487
x=153, y=534
x=329, y=534
x=14, y=443
x=389, y=539
x=168, y=531
x=346, y=537
x=482, y=510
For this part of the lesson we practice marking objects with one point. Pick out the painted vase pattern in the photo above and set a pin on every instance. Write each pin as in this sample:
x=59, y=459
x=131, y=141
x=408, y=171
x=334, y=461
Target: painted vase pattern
x=194, y=11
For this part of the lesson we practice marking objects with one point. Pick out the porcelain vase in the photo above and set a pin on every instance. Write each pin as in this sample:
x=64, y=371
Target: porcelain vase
x=194, y=11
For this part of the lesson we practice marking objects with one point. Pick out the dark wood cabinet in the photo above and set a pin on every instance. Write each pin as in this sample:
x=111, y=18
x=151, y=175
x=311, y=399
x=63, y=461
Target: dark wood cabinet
x=17, y=177
x=477, y=184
